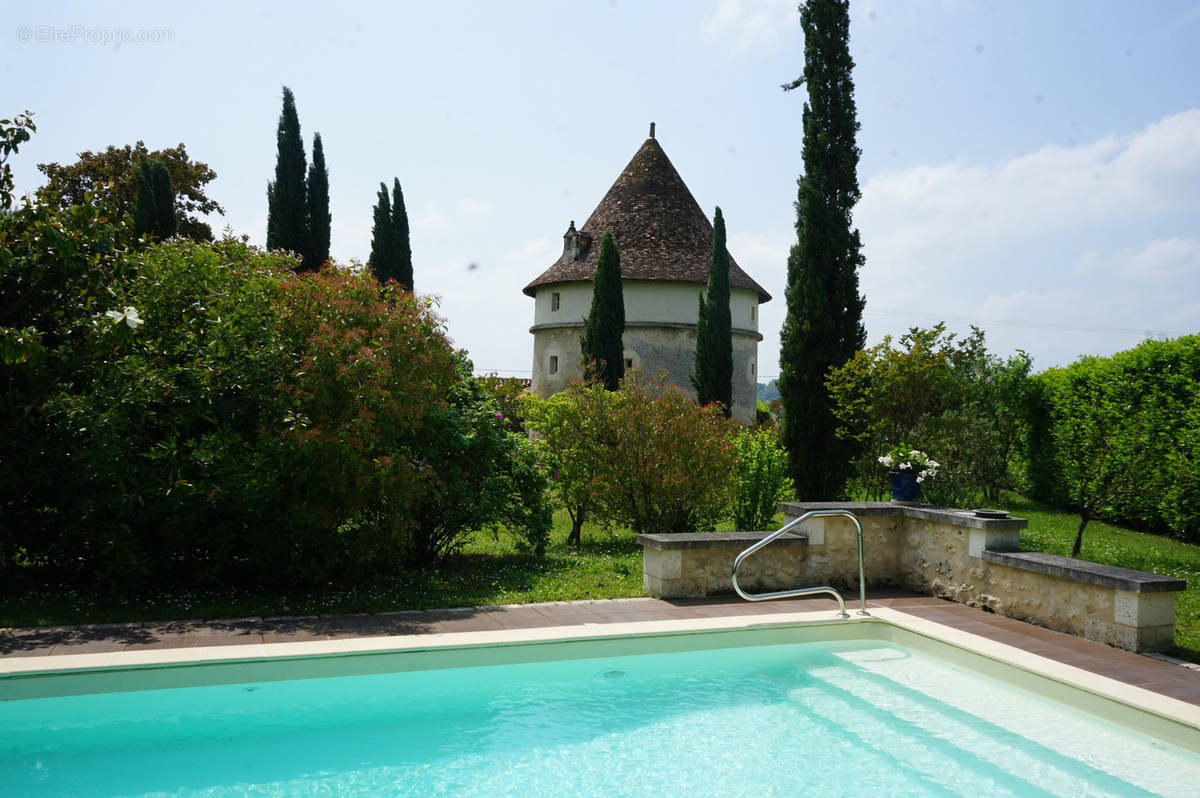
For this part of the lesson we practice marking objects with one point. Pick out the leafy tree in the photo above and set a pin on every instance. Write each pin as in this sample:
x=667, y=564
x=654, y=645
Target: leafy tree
x=575, y=433
x=145, y=209
x=823, y=327
x=319, y=217
x=944, y=395
x=13, y=133
x=760, y=479
x=287, y=199
x=603, y=351
x=383, y=239
x=713, y=379
x=1105, y=433
x=110, y=178
x=403, y=248
x=166, y=223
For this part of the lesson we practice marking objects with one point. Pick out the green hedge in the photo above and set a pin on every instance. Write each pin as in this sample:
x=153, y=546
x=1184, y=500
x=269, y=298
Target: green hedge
x=1122, y=434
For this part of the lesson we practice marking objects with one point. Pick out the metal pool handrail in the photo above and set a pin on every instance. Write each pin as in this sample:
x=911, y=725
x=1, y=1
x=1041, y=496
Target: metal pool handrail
x=807, y=591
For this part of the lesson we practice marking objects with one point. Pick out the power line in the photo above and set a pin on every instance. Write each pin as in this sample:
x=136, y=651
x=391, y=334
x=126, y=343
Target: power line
x=1032, y=325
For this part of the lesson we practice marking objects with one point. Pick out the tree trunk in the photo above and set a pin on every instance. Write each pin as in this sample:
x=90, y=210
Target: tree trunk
x=1084, y=517
x=575, y=538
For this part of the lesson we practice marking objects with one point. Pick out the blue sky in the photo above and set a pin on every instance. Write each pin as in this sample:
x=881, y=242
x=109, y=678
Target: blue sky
x=1031, y=167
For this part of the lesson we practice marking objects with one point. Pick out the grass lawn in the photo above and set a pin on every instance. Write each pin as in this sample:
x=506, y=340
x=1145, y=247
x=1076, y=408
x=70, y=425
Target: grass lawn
x=608, y=564
x=488, y=570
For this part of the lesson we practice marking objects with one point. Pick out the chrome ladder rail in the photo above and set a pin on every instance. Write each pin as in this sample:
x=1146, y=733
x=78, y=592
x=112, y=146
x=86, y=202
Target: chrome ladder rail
x=808, y=591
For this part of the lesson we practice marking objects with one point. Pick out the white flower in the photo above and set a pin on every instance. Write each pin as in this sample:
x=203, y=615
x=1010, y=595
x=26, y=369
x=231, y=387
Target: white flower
x=906, y=466
x=129, y=316
x=886, y=460
x=921, y=479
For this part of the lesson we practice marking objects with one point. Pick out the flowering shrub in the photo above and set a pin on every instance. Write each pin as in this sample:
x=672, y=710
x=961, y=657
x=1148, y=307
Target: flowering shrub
x=670, y=460
x=902, y=458
x=645, y=456
x=481, y=474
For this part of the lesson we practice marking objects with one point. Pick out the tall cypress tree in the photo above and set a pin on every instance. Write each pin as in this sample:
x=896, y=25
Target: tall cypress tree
x=287, y=202
x=383, y=239
x=713, y=379
x=165, y=223
x=400, y=227
x=603, y=351
x=404, y=266
x=319, y=218
x=145, y=214
x=823, y=327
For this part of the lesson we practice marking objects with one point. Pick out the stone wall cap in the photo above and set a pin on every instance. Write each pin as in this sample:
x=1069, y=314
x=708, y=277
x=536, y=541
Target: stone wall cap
x=1105, y=575
x=924, y=512
x=716, y=540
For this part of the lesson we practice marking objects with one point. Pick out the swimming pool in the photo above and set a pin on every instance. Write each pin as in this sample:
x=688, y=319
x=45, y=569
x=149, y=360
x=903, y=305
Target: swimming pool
x=779, y=709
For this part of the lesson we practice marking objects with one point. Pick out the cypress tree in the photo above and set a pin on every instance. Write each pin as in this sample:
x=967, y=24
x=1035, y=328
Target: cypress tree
x=404, y=266
x=145, y=214
x=287, y=203
x=383, y=237
x=319, y=218
x=713, y=379
x=165, y=223
x=823, y=327
x=603, y=351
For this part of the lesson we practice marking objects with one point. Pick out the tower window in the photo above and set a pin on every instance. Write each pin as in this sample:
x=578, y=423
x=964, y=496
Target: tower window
x=751, y=368
x=752, y=310
x=628, y=363
x=554, y=361
x=555, y=301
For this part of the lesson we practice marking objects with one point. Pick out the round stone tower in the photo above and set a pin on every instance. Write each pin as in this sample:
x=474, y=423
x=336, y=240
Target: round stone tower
x=665, y=241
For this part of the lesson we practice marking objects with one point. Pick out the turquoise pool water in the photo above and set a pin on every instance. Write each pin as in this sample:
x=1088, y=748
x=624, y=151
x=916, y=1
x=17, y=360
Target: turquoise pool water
x=858, y=718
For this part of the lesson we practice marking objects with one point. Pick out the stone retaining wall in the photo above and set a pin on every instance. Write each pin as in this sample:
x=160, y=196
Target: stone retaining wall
x=948, y=553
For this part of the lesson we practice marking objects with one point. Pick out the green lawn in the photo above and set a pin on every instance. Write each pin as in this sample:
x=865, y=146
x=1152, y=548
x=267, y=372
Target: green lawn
x=488, y=570
x=608, y=565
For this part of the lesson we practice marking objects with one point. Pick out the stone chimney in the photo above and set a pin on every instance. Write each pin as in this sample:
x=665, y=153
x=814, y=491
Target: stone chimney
x=571, y=243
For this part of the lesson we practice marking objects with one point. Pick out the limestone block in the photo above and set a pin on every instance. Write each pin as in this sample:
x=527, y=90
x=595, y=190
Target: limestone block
x=815, y=529
x=994, y=540
x=669, y=563
x=1144, y=609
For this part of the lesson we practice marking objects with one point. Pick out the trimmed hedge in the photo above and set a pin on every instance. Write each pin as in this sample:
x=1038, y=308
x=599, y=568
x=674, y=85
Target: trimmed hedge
x=1122, y=432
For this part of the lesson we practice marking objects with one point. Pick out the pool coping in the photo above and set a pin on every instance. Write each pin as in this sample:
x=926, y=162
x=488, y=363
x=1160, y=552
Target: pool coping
x=1164, y=716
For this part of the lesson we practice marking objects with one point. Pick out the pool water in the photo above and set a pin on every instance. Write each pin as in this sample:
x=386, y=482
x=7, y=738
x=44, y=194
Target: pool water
x=849, y=718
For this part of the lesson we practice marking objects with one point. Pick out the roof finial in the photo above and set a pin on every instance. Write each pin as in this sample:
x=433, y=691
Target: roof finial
x=651, y=130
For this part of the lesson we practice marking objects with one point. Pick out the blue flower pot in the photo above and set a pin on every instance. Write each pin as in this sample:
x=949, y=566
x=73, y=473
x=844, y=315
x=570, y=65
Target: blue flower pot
x=905, y=487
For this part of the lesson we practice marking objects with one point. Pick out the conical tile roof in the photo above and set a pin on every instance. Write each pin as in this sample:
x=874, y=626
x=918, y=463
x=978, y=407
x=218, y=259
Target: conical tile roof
x=659, y=229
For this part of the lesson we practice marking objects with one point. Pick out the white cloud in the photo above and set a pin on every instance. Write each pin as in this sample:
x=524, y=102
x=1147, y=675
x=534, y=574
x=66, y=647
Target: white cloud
x=1050, y=245
x=749, y=22
x=430, y=218
x=469, y=205
x=540, y=249
x=958, y=207
x=1159, y=260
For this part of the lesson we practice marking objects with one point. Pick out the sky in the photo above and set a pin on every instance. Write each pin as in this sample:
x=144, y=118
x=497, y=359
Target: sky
x=1029, y=167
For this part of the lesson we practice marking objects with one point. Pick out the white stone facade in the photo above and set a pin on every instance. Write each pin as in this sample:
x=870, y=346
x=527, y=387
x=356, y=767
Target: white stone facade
x=660, y=335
